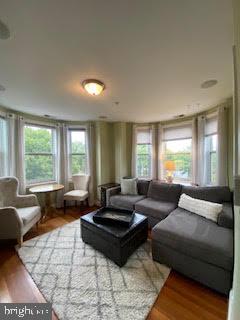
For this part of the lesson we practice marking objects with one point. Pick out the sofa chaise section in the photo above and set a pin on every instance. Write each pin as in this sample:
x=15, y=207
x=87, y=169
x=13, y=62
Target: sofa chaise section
x=195, y=246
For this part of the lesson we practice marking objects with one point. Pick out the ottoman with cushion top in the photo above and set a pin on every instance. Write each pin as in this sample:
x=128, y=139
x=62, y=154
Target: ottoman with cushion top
x=115, y=242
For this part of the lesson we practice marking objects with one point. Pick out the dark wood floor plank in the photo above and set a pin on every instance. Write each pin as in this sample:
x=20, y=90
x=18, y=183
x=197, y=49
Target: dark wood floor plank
x=179, y=299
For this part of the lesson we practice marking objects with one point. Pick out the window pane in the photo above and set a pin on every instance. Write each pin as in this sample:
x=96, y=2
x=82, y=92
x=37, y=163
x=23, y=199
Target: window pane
x=211, y=158
x=78, y=143
x=143, y=160
x=38, y=140
x=39, y=168
x=78, y=157
x=39, y=154
x=78, y=164
x=179, y=151
x=3, y=148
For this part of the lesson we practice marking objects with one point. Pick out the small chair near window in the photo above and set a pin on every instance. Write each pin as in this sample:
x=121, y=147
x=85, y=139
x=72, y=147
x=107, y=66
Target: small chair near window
x=80, y=192
x=18, y=213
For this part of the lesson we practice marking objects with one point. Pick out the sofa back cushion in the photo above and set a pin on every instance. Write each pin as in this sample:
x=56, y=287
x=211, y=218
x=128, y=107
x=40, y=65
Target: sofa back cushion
x=164, y=191
x=143, y=186
x=212, y=194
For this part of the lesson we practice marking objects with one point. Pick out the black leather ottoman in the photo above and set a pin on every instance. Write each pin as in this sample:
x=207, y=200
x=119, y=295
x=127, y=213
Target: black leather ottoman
x=115, y=242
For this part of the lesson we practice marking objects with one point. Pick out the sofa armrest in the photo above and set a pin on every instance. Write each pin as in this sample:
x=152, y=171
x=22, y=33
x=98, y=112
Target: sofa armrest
x=29, y=200
x=10, y=223
x=225, y=218
x=111, y=192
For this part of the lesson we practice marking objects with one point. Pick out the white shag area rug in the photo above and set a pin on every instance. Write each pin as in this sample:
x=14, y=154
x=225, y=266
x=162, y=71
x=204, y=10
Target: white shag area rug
x=82, y=283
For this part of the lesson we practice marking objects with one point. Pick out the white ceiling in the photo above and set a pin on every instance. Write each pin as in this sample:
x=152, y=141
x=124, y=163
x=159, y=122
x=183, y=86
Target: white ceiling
x=152, y=55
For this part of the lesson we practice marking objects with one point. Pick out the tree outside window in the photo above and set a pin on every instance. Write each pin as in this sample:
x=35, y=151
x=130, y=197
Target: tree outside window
x=179, y=151
x=211, y=158
x=40, y=154
x=77, y=152
x=144, y=153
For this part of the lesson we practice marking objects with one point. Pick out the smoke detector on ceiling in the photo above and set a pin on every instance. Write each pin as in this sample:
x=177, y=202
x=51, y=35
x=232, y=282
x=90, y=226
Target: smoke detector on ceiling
x=209, y=83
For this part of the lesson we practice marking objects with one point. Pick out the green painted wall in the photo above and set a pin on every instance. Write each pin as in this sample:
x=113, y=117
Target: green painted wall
x=105, y=164
x=122, y=149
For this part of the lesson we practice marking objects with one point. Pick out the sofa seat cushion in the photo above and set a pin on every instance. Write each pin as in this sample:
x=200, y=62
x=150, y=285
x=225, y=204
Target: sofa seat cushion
x=157, y=209
x=197, y=237
x=125, y=201
x=79, y=195
x=28, y=214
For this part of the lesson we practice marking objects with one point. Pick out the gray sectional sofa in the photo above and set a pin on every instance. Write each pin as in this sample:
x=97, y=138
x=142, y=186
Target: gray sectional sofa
x=191, y=244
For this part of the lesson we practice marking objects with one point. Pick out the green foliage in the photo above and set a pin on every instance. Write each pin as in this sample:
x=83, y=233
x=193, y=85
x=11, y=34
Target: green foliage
x=39, y=155
x=38, y=140
x=78, y=163
x=213, y=167
x=182, y=163
x=143, y=160
x=38, y=167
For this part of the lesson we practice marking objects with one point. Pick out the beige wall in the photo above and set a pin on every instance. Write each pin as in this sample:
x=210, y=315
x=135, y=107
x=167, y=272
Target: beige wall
x=122, y=149
x=105, y=164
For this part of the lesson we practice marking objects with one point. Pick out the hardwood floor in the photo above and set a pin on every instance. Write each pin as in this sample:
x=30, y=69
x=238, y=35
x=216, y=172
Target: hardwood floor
x=179, y=299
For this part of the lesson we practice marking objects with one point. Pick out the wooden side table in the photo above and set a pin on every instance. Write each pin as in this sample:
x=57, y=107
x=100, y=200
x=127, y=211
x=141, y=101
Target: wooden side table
x=47, y=189
x=103, y=189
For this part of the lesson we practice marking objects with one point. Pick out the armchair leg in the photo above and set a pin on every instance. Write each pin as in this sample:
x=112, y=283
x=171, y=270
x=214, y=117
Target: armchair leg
x=20, y=241
x=64, y=206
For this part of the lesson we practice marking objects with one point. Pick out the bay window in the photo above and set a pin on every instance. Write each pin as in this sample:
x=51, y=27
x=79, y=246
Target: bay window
x=144, y=152
x=77, y=152
x=40, y=153
x=177, y=147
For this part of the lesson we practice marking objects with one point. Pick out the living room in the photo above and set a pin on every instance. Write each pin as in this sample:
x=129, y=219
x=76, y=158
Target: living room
x=119, y=159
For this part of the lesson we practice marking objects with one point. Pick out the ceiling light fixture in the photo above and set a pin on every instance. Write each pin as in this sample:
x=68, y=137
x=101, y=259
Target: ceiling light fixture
x=209, y=83
x=4, y=31
x=93, y=86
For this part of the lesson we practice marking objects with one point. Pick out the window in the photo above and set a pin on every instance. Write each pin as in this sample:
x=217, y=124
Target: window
x=3, y=147
x=144, y=153
x=177, y=147
x=211, y=142
x=40, y=153
x=77, y=152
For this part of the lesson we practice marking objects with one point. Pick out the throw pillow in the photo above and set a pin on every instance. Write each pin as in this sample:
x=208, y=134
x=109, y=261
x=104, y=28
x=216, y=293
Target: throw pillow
x=207, y=209
x=129, y=186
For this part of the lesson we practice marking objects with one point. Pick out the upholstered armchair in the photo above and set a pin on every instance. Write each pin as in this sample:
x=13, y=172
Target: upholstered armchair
x=18, y=213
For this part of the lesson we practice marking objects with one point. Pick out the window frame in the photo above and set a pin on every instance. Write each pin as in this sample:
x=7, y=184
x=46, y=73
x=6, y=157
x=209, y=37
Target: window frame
x=71, y=154
x=53, y=154
x=138, y=130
